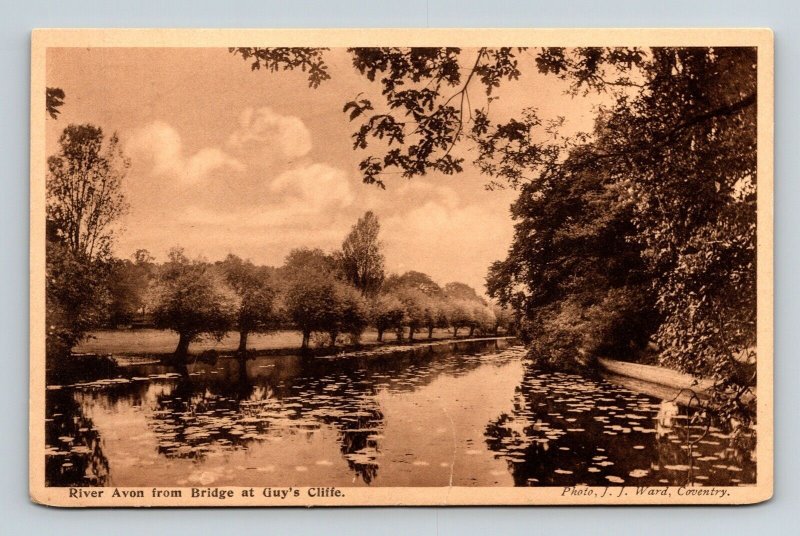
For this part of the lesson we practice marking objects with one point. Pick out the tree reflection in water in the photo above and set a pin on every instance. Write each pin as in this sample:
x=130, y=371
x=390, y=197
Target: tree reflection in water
x=199, y=414
x=73, y=448
x=241, y=402
x=567, y=430
x=559, y=430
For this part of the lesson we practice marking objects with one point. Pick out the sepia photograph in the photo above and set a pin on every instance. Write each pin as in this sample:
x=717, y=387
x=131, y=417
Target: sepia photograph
x=401, y=267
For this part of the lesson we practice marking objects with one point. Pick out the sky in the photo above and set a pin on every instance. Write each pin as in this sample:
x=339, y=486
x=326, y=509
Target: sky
x=229, y=160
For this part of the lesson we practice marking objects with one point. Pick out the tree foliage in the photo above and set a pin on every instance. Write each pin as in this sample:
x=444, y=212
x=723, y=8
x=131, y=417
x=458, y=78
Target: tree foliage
x=84, y=195
x=413, y=280
x=128, y=282
x=256, y=311
x=192, y=300
x=54, y=99
x=317, y=300
x=77, y=298
x=387, y=313
x=308, y=60
x=84, y=201
x=361, y=259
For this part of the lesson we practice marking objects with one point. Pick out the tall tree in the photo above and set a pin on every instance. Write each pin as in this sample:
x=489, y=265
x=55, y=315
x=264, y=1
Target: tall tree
x=84, y=190
x=361, y=258
x=84, y=201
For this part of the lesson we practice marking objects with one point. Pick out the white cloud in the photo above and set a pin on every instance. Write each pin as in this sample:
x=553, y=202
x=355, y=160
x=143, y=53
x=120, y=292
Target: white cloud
x=314, y=186
x=310, y=206
x=309, y=195
x=162, y=144
x=269, y=129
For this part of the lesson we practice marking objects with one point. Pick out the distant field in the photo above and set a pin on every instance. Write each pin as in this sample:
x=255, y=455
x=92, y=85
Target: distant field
x=146, y=341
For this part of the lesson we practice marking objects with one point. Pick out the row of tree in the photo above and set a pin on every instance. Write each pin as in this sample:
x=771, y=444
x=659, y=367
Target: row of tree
x=332, y=295
x=310, y=293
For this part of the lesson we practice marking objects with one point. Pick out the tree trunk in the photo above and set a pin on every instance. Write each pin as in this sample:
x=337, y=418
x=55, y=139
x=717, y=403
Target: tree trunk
x=430, y=333
x=399, y=333
x=471, y=330
x=182, y=351
x=380, y=335
x=306, y=338
x=242, y=343
x=455, y=331
x=333, y=335
x=410, y=334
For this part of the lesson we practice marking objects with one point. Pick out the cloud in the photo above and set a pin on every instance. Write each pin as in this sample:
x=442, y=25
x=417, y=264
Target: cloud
x=315, y=186
x=298, y=198
x=310, y=206
x=266, y=128
x=161, y=144
x=448, y=241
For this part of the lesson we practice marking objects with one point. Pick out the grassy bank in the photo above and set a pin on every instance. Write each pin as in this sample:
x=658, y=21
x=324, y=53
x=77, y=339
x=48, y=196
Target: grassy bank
x=154, y=341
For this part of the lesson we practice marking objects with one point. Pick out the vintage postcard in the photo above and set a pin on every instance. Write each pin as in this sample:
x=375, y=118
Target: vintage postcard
x=401, y=267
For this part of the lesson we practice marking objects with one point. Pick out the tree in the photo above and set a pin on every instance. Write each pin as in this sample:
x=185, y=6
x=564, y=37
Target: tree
x=414, y=280
x=84, y=190
x=192, y=300
x=361, y=259
x=324, y=304
x=434, y=314
x=503, y=319
x=84, y=200
x=305, y=262
x=309, y=278
x=310, y=304
x=574, y=251
x=415, y=303
x=350, y=314
x=466, y=308
x=461, y=313
x=256, y=298
x=387, y=312
x=461, y=291
x=127, y=284
x=76, y=298
x=482, y=319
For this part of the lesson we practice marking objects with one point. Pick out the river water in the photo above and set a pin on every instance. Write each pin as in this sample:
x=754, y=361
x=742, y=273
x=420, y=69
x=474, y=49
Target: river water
x=470, y=414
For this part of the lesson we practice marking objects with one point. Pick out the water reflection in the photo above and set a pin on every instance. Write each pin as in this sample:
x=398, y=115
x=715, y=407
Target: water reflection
x=567, y=430
x=74, y=455
x=412, y=419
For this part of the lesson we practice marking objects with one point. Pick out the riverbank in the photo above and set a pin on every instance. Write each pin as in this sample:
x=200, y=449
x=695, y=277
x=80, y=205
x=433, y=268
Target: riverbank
x=94, y=365
x=133, y=342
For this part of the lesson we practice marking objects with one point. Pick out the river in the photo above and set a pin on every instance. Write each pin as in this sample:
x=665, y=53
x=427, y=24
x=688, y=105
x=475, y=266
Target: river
x=470, y=414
